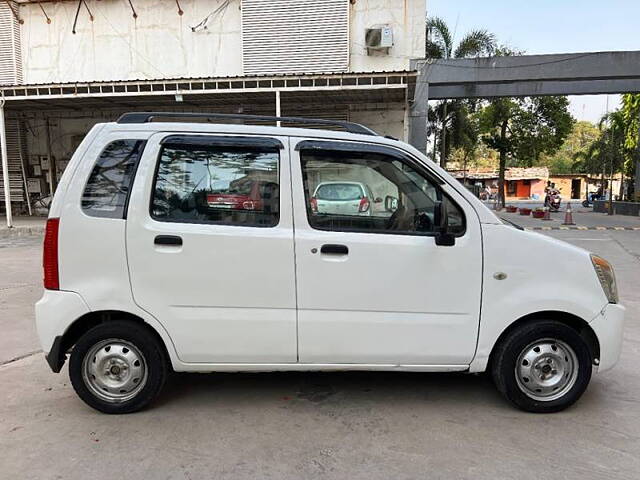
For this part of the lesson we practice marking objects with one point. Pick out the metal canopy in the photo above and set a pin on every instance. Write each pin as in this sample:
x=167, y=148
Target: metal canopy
x=186, y=93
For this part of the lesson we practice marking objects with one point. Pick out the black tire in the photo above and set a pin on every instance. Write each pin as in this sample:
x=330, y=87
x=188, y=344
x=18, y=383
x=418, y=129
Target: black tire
x=153, y=356
x=586, y=204
x=507, y=354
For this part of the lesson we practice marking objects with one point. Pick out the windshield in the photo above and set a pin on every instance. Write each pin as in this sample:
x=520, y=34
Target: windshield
x=339, y=191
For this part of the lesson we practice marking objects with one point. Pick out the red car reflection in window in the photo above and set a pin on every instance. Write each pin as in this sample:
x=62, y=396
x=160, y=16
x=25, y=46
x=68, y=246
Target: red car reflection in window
x=247, y=196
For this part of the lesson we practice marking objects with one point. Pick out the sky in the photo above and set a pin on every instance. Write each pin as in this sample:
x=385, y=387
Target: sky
x=545, y=26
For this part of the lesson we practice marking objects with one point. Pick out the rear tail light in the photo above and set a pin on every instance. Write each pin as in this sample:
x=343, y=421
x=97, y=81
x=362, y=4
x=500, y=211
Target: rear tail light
x=50, y=255
x=364, y=204
x=314, y=204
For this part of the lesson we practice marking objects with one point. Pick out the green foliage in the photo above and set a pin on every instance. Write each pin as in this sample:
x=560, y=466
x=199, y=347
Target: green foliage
x=453, y=116
x=577, y=142
x=607, y=154
x=525, y=129
x=440, y=42
x=631, y=118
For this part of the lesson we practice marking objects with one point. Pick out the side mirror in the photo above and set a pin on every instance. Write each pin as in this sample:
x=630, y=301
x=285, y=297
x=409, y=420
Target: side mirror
x=390, y=203
x=444, y=238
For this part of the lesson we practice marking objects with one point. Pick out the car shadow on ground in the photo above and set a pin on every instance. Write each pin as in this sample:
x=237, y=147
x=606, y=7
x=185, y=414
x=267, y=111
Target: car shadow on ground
x=330, y=388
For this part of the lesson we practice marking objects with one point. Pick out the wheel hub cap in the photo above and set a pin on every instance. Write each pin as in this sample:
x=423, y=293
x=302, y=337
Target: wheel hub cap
x=114, y=370
x=546, y=369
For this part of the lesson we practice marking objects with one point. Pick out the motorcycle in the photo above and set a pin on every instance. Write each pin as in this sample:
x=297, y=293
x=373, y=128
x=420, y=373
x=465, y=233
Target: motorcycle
x=590, y=199
x=552, y=200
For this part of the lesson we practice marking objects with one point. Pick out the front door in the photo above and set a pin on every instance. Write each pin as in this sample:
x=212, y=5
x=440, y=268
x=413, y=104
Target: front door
x=210, y=246
x=373, y=286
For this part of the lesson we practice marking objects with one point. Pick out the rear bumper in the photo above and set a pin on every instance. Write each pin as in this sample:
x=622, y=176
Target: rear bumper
x=608, y=327
x=55, y=312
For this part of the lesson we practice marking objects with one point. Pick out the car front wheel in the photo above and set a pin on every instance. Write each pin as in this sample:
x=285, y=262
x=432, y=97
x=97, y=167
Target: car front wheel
x=542, y=367
x=117, y=367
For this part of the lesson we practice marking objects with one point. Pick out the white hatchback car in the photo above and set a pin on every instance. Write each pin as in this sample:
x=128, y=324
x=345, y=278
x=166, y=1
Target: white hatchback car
x=143, y=274
x=342, y=198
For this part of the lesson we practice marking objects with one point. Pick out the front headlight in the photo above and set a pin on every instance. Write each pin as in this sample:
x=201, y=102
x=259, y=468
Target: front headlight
x=607, y=278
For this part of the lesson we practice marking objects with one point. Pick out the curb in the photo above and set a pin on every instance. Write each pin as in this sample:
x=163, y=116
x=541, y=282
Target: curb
x=31, y=231
x=579, y=227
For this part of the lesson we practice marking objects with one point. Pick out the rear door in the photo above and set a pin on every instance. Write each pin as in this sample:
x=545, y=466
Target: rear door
x=219, y=277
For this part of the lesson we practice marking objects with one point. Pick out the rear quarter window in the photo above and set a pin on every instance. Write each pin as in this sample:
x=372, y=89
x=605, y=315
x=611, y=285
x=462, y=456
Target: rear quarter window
x=107, y=190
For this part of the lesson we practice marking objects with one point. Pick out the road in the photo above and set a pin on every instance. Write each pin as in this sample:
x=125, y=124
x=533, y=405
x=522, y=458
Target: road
x=313, y=425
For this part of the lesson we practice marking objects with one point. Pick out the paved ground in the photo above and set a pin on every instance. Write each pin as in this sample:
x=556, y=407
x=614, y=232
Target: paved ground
x=337, y=425
x=582, y=217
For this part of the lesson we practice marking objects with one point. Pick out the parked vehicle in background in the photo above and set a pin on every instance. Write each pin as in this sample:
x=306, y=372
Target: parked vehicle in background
x=431, y=281
x=248, y=195
x=588, y=202
x=342, y=198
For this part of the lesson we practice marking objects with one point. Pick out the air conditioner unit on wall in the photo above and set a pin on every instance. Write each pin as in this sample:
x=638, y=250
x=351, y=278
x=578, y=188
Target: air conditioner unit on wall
x=378, y=38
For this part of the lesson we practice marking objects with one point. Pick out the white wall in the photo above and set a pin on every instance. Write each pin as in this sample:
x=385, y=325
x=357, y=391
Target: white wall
x=406, y=17
x=389, y=121
x=115, y=46
x=161, y=44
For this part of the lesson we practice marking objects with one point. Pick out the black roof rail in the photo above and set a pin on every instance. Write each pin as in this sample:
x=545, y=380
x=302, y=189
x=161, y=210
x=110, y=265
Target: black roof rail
x=146, y=117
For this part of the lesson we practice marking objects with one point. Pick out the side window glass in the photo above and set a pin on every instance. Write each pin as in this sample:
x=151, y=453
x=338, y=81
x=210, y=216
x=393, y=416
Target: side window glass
x=370, y=192
x=107, y=189
x=217, y=184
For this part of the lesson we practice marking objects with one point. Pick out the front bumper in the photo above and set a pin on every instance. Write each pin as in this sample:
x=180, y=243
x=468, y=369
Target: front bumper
x=608, y=327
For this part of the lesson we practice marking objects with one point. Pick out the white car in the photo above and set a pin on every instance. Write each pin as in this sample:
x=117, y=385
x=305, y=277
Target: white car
x=342, y=198
x=142, y=276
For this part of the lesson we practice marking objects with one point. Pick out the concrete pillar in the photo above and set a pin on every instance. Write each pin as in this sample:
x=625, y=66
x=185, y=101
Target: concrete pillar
x=278, y=111
x=5, y=166
x=418, y=112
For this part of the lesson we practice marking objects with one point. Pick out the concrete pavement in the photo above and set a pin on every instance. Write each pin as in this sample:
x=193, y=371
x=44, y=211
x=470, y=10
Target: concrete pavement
x=582, y=217
x=314, y=425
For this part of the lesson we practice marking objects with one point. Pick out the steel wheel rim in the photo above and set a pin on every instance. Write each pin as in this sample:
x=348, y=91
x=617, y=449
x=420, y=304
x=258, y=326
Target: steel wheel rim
x=114, y=370
x=546, y=369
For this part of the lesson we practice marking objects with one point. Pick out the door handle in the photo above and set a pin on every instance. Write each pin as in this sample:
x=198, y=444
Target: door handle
x=172, y=240
x=333, y=249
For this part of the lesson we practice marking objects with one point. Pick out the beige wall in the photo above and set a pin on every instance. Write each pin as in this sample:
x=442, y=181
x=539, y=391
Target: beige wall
x=161, y=44
x=385, y=122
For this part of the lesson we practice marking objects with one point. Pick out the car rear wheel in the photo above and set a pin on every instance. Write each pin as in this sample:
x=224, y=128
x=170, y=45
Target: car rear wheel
x=542, y=367
x=117, y=367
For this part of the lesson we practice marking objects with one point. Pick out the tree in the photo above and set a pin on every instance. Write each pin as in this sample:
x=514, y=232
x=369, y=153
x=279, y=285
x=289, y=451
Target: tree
x=440, y=45
x=581, y=137
x=608, y=154
x=524, y=129
x=631, y=120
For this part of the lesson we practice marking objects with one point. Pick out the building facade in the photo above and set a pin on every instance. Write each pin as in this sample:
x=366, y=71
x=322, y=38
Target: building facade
x=66, y=65
x=520, y=183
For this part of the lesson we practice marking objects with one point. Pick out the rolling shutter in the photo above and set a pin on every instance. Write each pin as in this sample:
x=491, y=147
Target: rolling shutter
x=15, y=142
x=293, y=36
x=11, y=74
x=10, y=57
